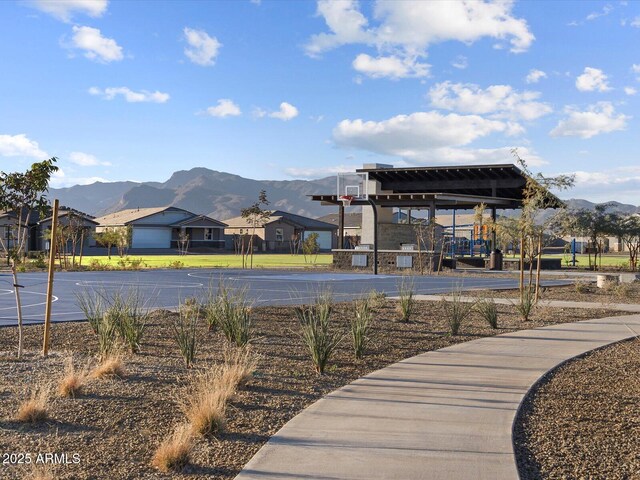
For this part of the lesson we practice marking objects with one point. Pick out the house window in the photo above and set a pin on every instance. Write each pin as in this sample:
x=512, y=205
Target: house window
x=279, y=235
x=208, y=233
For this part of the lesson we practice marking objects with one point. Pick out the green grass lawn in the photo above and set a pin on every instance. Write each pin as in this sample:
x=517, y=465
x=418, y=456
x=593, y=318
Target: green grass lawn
x=215, y=260
x=608, y=260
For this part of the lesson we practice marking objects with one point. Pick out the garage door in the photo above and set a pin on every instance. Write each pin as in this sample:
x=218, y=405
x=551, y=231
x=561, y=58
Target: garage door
x=151, y=237
x=324, y=239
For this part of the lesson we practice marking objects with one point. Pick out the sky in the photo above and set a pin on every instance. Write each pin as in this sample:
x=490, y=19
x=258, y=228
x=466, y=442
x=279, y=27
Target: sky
x=135, y=90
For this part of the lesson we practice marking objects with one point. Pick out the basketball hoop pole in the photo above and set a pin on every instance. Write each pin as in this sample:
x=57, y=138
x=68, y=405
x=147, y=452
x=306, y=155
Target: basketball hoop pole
x=375, y=236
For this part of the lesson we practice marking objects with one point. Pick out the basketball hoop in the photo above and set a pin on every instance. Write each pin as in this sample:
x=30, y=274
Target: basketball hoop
x=345, y=199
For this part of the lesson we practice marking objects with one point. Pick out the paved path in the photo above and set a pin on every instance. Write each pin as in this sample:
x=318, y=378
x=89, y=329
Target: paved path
x=446, y=414
x=619, y=307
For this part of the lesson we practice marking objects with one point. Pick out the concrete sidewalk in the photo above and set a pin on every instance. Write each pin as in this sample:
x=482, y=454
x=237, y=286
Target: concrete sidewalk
x=446, y=414
x=619, y=307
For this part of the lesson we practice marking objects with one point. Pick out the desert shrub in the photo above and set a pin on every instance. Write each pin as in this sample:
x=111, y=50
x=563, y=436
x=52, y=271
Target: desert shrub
x=216, y=304
x=317, y=334
x=582, y=287
x=35, y=408
x=107, y=333
x=235, y=317
x=238, y=367
x=97, y=265
x=489, y=311
x=526, y=304
x=92, y=306
x=623, y=290
x=377, y=299
x=173, y=453
x=406, y=302
x=204, y=400
x=360, y=324
x=185, y=329
x=177, y=264
x=129, y=313
x=128, y=263
x=456, y=311
x=73, y=380
x=110, y=366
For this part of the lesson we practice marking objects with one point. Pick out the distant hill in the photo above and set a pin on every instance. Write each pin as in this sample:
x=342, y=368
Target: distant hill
x=220, y=195
x=200, y=190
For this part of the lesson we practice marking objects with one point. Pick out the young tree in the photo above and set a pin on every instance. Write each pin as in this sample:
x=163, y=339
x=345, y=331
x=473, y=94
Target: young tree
x=256, y=217
x=627, y=228
x=310, y=248
x=536, y=198
x=107, y=238
x=23, y=194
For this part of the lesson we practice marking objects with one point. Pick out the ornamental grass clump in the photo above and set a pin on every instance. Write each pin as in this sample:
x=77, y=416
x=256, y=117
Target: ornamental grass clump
x=456, y=311
x=185, y=333
x=130, y=316
x=73, y=380
x=489, y=311
x=235, y=317
x=407, y=302
x=92, y=306
x=360, y=323
x=35, y=408
x=316, y=332
x=526, y=304
x=174, y=451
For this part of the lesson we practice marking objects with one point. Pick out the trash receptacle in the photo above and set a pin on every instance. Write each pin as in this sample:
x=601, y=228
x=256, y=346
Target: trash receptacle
x=495, y=260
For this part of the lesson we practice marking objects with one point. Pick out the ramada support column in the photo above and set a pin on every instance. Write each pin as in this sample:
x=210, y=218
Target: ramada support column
x=341, y=226
x=494, y=243
x=375, y=236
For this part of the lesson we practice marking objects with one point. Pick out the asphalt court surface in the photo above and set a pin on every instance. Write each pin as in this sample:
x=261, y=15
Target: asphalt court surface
x=167, y=288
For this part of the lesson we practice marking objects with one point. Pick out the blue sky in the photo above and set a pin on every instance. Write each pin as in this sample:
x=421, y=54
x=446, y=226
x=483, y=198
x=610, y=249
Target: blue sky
x=295, y=89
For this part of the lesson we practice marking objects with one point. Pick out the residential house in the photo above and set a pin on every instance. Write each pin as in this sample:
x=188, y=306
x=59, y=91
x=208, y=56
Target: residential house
x=164, y=227
x=77, y=227
x=282, y=231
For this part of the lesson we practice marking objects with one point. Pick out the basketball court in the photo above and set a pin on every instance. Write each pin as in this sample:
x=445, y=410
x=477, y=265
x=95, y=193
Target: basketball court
x=167, y=288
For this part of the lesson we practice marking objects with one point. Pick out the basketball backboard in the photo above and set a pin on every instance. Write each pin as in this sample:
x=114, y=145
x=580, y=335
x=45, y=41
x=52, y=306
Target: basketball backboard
x=354, y=185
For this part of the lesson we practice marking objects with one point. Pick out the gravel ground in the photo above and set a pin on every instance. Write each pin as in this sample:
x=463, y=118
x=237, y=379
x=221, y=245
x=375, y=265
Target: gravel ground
x=584, y=292
x=583, y=420
x=116, y=424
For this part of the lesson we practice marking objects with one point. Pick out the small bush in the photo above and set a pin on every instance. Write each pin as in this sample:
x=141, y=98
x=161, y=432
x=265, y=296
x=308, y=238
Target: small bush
x=360, y=324
x=489, y=311
x=92, y=305
x=235, y=317
x=204, y=400
x=456, y=311
x=130, y=317
x=73, y=380
x=107, y=332
x=582, y=287
x=131, y=263
x=185, y=329
x=317, y=334
x=173, y=453
x=176, y=264
x=215, y=305
x=377, y=299
x=34, y=409
x=97, y=265
x=110, y=366
x=623, y=290
x=239, y=365
x=526, y=304
x=407, y=301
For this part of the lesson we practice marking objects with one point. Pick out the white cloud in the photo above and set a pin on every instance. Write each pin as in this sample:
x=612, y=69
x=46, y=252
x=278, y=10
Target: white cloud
x=630, y=91
x=534, y=76
x=86, y=160
x=65, y=9
x=129, y=95
x=599, y=118
x=621, y=184
x=405, y=30
x=390, y=67
x=460, y=62
x=95, y=46
x=202, y=49
x=20, y=146
x=414, y=135
x=499, y=100
x=224, y=108
x=286, y=112
x=413, y=26
x=592, y=79
x=635, y=68
x=606, y=10
x=60, y=179
x=635, y=22
x=302, y=172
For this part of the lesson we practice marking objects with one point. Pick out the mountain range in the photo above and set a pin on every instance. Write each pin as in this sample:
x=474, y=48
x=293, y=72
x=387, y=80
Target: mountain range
x=220, y=195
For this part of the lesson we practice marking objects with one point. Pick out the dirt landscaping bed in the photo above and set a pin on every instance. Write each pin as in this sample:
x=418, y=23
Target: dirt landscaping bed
x=583, y=419
x=115, y=426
